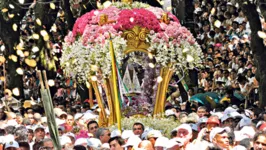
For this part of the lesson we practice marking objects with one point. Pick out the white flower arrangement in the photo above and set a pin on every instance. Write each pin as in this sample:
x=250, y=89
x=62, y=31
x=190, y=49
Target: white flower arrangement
x=122, y=5
x=165, y=125
x=78, y=60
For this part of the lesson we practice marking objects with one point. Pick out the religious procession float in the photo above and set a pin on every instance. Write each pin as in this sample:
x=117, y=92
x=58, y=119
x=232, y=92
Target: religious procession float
x=128, y=52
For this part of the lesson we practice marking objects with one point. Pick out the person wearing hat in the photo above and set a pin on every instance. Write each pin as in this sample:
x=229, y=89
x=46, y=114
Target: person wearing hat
x=211, y=123
x=132, y=142
x=11, y=145
x=219, y=138
x=39, y=133
x=153, y=135
x=184, y=132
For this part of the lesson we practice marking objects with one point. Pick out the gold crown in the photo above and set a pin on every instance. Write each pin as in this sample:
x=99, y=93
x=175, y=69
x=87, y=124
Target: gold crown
x=127, y=1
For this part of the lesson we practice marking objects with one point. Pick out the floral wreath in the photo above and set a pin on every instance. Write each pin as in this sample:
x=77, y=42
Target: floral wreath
x=86, y=49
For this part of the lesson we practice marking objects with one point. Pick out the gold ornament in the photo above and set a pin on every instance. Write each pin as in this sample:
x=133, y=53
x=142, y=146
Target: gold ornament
x=104, y=20
x=136, y=40
x=127, y=1
x=165, y=19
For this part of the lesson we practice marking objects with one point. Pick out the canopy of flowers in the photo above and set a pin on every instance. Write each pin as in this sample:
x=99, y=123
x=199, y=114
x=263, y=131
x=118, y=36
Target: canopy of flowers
x=86, y=48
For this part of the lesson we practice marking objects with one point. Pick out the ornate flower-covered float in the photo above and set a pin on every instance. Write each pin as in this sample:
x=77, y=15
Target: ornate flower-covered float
x=130, y=28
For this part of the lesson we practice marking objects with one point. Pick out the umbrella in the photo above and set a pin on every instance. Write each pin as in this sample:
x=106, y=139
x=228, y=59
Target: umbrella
x=209, y=99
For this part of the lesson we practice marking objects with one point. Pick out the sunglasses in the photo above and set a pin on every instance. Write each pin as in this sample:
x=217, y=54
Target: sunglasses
x=96, y=127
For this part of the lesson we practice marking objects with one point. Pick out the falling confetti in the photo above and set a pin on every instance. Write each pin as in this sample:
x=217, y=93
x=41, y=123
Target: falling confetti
x=20, y=46
x=52, y=5
x=21, y=1
x=26, y=53
x=11, y=16
x=151, y=65
x=20, y=53
x=11, y=6
x=30, y=62
x=190, y=58
x=217, y=23
x=150, y=55
x=159, y=79
x=2, y=59
x=13, y=58
x=35, y=49
x=262, y=34
x=54, y=28
x=16, y=92
x=4, y=10
x=39, y=22
x=20, y=71
x=35, y=36
x=3, y=48
x=51, y=83
x=93, y=78
x=107, y=4
x=15, y=27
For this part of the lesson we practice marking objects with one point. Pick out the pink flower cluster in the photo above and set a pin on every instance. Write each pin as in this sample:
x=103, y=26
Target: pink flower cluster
x=111, y=12
x=98, y=34
x=82, y=22
x=174, y=32
x=159, y=12
x=141, y=17
x=120, y=20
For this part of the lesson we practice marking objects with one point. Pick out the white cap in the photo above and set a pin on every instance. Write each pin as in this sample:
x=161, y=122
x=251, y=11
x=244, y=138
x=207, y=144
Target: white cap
x=194, y=127
x=11, y=144
x=115, y=133
x=184, y=126
x=219, y=114
x=239, y=147
x=161, y=141
x=105, y=145
x=238, y=136
x=59, y=121
x=9, y=138
x=174, y=142
x=133, y=141
x=11, y=123
x=44, y=119
x=78, y=116
x=81, y=141
x=154, y=134
x=57, y=111
x=169, y=112
x=248, y=132
x=231, y=115
x=216, y=131
x=229, y=110
x=94, y=143
x=65, y=140
x=70, y=134
x=61, y=113
x=126, y=134
x=245, y=121
x=89, y=115
x=38, y=127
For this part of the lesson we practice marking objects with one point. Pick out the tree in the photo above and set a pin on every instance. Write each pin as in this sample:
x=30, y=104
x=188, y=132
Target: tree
x=249, y=8
x=10, y=23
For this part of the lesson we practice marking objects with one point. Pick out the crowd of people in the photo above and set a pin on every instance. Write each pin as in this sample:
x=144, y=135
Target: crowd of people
x=223, y=32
